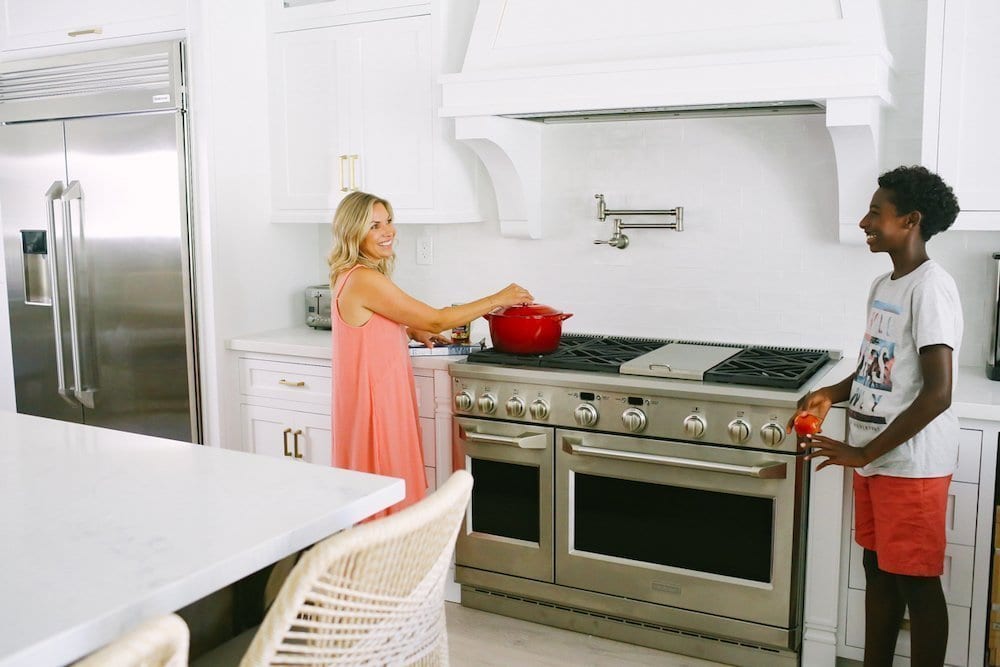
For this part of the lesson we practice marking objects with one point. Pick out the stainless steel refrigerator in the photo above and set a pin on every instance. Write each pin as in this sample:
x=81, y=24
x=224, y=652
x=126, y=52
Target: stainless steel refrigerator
x=94, y=205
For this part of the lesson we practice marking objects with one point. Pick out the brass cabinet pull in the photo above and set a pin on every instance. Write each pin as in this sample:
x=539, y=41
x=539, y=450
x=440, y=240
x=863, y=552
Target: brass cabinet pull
x=343, y=188
x=284, y=439
x=85, y=31
x=295, y=439
x=290, y=383
x=354, y=176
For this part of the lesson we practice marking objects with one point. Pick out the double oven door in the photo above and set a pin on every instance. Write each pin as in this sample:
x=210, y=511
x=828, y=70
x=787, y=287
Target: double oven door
x=705, y=528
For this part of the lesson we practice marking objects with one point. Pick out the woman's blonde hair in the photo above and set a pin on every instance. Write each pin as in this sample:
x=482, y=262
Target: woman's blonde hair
x=351, y=223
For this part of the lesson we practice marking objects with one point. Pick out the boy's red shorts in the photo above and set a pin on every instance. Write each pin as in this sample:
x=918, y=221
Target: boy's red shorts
x=902, y=520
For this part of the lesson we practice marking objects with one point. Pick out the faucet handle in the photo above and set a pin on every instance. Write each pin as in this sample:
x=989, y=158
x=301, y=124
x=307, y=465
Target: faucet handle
x=601, y=208
x=618, y=240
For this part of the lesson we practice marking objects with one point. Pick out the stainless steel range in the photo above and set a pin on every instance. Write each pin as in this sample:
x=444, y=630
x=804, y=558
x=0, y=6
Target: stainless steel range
x=640, y=489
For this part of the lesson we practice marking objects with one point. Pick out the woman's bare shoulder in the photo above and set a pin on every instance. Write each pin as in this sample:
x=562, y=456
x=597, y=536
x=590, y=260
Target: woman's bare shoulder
x=366, y=278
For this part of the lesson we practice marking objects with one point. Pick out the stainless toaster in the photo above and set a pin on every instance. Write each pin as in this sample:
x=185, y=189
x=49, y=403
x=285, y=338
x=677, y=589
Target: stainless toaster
x=318, y=306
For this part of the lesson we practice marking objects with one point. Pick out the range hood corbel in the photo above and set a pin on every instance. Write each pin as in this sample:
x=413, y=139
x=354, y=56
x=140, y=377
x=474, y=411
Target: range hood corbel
x=511, y=150
x=854, y=126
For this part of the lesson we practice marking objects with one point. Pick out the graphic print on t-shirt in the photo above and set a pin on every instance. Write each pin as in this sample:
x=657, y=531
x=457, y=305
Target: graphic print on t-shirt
x=873, y=378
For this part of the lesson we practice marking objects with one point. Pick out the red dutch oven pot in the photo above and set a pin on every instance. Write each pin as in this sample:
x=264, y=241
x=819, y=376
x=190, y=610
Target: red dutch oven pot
x=531, y=328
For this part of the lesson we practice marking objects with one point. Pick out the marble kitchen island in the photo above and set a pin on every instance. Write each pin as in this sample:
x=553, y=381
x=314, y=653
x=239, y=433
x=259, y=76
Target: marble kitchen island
x=104, y=529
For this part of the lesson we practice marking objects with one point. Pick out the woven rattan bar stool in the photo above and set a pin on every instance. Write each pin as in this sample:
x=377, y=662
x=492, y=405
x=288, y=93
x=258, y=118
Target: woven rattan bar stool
x=369, y=595
x=159, y=642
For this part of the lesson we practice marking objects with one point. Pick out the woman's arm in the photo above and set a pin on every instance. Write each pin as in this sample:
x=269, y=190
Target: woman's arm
x=369, y=291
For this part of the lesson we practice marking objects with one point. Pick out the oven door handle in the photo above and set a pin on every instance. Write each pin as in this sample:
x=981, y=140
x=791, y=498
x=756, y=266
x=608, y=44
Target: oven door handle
x=772, y=470
x=524, y=441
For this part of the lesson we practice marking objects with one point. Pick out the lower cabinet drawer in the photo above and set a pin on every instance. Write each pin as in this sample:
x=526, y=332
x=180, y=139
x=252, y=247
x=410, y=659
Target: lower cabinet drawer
x=956, y=579
x=431, y=475
x=304, y=383
x=956, y=654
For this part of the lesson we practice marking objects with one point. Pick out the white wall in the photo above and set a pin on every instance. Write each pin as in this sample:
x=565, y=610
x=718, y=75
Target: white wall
x=758, y=262
x=251, y=271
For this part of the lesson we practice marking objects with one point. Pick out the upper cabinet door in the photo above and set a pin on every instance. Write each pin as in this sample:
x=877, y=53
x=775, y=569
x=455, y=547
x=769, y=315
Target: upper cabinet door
x=961, y=136
x=393, y=112
x=309, y=112
x=31, y=24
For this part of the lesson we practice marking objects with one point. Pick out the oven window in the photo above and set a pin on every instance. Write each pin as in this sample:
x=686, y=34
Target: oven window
x=505, y=499
x=706, y=531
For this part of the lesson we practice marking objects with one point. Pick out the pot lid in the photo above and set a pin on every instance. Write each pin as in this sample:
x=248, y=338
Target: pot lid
x=527, y=310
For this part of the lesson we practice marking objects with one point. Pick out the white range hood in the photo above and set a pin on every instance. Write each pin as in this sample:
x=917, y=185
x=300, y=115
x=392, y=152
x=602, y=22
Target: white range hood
x=532, y=62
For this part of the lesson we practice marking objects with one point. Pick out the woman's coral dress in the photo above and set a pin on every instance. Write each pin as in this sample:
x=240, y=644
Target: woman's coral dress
x=376, y=427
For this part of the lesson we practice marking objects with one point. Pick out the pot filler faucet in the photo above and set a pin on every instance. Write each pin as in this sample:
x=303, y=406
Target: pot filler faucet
x=620, y=240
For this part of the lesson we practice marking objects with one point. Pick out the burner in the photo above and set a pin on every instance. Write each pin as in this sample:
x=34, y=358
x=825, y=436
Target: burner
x=784, y=368
x=578, y=352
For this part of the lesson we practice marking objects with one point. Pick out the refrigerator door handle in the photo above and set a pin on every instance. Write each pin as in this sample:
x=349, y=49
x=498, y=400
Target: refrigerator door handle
x=74, y=191
x=51, y=195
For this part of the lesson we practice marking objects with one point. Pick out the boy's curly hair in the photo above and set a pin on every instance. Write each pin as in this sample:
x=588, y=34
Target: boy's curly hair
x=916, y=188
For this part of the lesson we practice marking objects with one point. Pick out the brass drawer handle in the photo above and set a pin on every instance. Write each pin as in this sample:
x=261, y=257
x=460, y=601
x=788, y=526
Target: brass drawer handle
x=284, y=438
x=295, y=439
x=289, y=383
x=85, y=31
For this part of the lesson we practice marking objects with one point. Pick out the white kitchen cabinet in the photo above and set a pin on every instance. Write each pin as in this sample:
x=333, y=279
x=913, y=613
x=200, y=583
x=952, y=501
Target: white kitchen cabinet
x=287, y=433
x=961, y=137
x=31, y=24
x=966, y=562
x=301, y=14
x=354, y=107
x=285, y=408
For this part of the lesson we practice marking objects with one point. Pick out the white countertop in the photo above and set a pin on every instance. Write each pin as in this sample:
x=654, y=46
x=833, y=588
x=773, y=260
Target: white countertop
x=104, y=529
x=305, y=341
x=977, y=397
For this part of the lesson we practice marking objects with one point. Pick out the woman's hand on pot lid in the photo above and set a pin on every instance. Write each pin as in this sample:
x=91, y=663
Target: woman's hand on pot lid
x=511, y=295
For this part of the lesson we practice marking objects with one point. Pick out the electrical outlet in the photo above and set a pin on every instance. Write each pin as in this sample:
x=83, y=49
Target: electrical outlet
x=425, y=250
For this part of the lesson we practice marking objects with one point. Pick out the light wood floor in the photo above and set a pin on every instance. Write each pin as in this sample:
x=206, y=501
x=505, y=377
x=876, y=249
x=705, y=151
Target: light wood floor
x=480, y=639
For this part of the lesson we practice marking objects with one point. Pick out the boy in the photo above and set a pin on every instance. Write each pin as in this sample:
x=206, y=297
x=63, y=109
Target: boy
x=903, y=435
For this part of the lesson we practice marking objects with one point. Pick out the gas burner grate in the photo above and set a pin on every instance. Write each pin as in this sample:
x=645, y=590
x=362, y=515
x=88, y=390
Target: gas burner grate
x=783, y=368
x=578, y=352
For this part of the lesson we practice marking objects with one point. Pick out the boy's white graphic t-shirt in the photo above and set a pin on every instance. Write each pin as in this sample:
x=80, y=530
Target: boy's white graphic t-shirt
x=919, y=309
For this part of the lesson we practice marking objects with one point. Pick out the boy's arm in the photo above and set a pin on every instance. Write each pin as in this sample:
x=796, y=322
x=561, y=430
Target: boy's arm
x=818, y=402
x=933, y=399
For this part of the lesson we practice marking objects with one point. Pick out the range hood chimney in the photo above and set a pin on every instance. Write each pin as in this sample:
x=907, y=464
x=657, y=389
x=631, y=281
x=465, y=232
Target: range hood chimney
x=532, y=63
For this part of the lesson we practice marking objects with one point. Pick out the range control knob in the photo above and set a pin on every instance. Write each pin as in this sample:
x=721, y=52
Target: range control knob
x=515, y=406
x=539, y=409
x=634, y=420
x=739, y=430
x=694, y=426
x=585, y=414
x=487, y=404
x=772, y=434
x=464, y=401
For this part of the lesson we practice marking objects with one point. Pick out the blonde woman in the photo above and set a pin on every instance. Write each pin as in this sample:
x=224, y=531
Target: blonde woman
x=376, y=428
